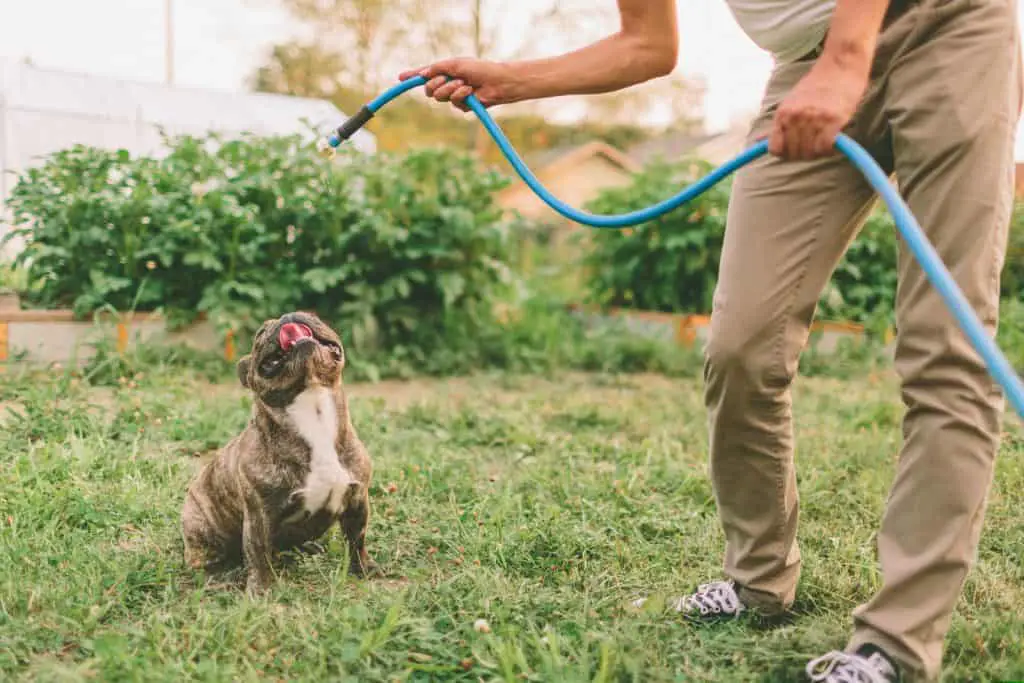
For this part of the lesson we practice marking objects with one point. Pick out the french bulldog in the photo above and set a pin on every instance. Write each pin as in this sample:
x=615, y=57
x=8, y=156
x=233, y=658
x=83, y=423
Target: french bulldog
x=295, y=469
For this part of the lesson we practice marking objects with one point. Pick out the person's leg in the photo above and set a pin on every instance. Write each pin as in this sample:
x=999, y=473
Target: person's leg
x=953, y=101
x=788, y=225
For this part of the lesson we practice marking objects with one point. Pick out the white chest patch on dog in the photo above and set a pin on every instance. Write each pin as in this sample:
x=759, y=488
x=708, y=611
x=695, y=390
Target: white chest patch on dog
x=315, y=417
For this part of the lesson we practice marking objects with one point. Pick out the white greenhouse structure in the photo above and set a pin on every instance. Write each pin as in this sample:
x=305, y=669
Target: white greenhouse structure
x=44, y=110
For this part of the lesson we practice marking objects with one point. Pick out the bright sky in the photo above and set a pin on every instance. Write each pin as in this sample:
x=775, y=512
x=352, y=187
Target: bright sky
x=218, y=42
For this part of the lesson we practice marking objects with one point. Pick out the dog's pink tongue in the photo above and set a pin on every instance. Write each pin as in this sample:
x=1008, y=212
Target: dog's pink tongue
x=291, y=333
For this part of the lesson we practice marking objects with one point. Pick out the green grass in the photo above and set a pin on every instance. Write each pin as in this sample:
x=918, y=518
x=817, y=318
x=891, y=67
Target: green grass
x=541, y=506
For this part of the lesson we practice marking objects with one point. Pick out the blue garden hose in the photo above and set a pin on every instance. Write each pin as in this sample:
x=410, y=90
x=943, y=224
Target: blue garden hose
x=999, y=367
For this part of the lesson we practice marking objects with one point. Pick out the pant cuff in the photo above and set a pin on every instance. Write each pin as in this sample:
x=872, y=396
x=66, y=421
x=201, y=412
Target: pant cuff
x=911, y=670
x=763, y=603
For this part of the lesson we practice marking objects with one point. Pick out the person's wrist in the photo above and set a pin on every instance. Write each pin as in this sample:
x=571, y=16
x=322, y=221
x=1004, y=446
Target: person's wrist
x=522, y=82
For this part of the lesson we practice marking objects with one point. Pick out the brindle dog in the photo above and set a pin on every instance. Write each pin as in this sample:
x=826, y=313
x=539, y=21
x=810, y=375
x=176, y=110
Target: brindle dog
x=297, y=467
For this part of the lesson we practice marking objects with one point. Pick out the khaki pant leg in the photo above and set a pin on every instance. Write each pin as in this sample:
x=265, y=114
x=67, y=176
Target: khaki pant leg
x=787, y=227
x=953, y=100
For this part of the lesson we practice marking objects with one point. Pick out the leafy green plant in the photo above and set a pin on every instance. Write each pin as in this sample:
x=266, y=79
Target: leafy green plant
x=1010, y=337
x=669, y=264
x=12, y=279
x=863, y=285
x=1013, y=268
x=388, y=247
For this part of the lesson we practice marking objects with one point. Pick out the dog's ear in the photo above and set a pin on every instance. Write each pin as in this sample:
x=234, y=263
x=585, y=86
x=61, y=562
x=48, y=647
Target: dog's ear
x=242, y=367
x=264, y=326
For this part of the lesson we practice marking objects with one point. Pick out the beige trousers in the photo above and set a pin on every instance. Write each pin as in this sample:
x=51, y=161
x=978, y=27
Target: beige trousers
x=940, y=113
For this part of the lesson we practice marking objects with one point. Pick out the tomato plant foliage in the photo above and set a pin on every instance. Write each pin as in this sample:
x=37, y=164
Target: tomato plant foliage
x=248, y=228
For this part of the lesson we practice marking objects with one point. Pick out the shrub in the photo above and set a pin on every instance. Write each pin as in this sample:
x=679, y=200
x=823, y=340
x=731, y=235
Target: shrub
x=1013, y=269
x=669, y=264
x=863, y=285
x=1010, y=336
x=389, y=247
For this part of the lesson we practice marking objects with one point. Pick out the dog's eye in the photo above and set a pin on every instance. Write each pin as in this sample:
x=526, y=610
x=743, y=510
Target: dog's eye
x=271, y=365
x=335, y=349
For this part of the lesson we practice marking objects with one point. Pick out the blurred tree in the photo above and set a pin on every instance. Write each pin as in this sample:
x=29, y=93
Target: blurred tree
x=362, y=35
x=675, y=100
x=508, y=30
x=312, y=70
x=356, y=48
x=305, y=70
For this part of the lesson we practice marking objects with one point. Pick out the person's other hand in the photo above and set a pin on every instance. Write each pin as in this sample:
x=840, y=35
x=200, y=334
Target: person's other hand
x=816, y=111
x=492, y=82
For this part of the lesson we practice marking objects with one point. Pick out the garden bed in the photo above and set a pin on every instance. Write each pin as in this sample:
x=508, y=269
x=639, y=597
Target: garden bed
x=45, y=337
x=688, y=329
x=40, y=336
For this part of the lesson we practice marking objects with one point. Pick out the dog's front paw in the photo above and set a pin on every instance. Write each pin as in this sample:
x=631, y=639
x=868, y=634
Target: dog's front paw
x=365, y=568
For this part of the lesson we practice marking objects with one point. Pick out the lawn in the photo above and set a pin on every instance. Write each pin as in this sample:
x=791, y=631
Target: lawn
x=542, y=506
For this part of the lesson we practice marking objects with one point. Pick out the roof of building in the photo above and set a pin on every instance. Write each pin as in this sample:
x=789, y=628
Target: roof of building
x=566, y=155
x=669, y=146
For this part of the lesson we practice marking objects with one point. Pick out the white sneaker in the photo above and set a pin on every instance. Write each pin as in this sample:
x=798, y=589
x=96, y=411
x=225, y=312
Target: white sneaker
x=859, y=667
x=710, y=601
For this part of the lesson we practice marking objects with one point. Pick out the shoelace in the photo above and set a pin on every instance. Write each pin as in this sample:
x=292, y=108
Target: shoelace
x=715, y=597
x=845, y=668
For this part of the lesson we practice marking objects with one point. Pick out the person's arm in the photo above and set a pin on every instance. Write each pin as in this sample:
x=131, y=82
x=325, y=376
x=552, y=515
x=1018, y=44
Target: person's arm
x=645, y=47
x=823, y=102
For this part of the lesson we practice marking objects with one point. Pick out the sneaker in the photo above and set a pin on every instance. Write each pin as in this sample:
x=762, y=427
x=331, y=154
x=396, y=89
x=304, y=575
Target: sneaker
x=867, y=665
x=711, y=601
